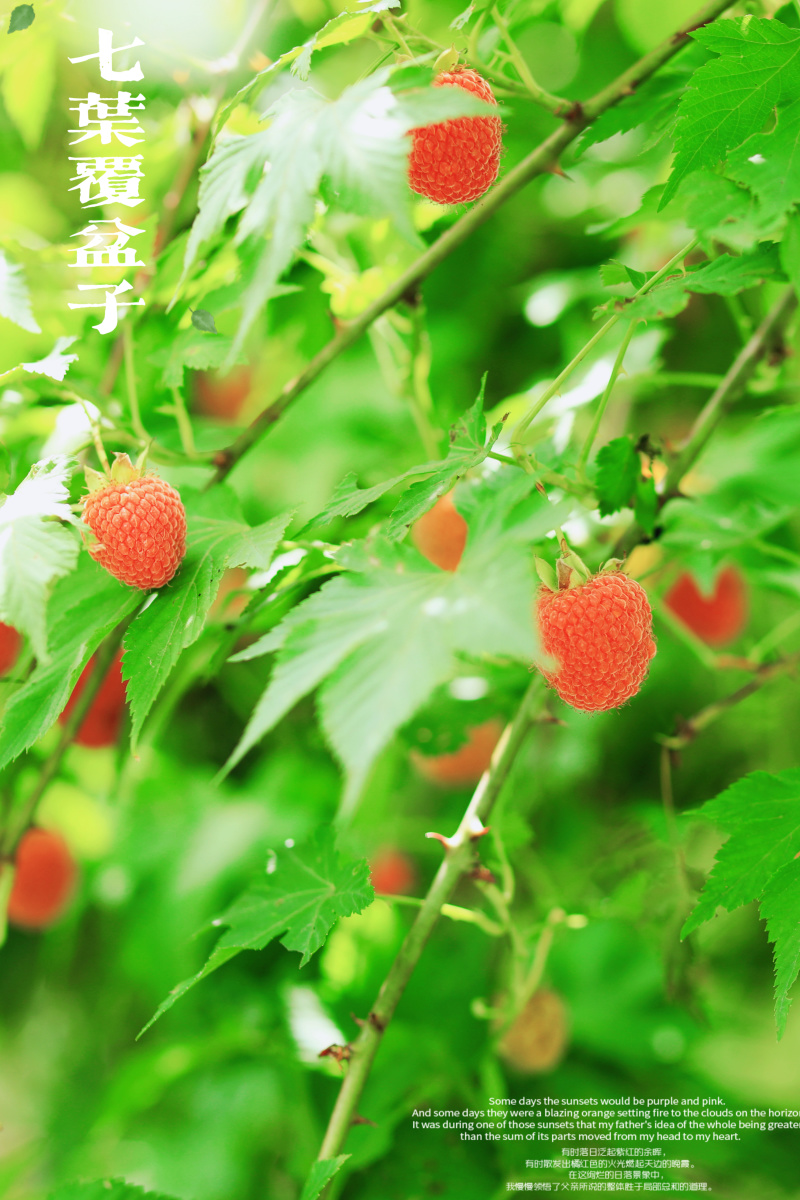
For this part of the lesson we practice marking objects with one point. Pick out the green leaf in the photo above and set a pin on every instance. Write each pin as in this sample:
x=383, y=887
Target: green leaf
x=645, y=507
x=217, y=538
x=468, y=448
x=780, y=908
x=386, y=633
x=761, y=813
x=321, y=1173
x=302, y=894
x=15, y=302
x=769, y=163
x=204, y=320
x=21, y=17
x=618, y=472
x=191, y=349
x=84, y=607
x=104, y=1189
x=790, y=250
x=35, y=548
x=725, y=276
x=758, y=67
x=357, y=143
x=721, y=210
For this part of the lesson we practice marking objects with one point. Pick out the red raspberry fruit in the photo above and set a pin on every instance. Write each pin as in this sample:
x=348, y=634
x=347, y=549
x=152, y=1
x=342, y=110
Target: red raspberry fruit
x=101, y=725
x=717, y=619
x=44, y=880
x=456, y=161
x=9, y=647
x=392, y=872
x=441, y=534
x=600, y=634
x=140, y=525
x=466, y=764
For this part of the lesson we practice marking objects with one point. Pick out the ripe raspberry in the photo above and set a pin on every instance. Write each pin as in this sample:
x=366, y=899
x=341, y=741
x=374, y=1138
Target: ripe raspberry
x=101, y=725
x=466, y=764
x=717, y=619
x=9, y=647
x=441, y=534
x=139, y=523
x=392, y=872
x=457, y=160
x=600, y=634
x=44, y=880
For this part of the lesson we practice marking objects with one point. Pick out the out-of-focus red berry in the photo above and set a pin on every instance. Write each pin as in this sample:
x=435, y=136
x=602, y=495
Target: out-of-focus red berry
x=44, y=880
x=10, y=642
x=441, y=534
x=716, y=619
x=101, y=725
x=466, y=764
x=392, y=872
x=222, y=396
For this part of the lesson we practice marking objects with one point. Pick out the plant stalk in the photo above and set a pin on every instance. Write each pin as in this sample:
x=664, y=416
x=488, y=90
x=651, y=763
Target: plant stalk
x=458, y=860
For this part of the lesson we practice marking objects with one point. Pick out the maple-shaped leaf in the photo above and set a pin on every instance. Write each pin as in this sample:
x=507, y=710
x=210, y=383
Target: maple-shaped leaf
x=303, y=892
x=758, y=66
x=761, y=814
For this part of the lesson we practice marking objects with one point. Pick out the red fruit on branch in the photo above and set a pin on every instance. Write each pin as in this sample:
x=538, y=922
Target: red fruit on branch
x=466, y=764
x=10, y=642
x=441, y=534
x=600, y=634
x=716, y=619
x=101, y=725
x=139, y=522
x=44, y=880
x=392, y=872
x=456, y=161
x=222, y=396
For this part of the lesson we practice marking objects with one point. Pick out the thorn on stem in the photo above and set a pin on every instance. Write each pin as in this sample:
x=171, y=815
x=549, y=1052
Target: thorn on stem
x=359, y=1120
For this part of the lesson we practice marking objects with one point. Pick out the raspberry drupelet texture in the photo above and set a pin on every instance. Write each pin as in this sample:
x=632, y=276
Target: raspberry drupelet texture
x=456, y=161
x=140, y=526
x=600, y=634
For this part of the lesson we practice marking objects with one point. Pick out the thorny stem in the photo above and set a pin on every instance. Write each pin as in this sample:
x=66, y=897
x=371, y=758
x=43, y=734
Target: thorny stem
x=766, y=337
x=583, y=458
x=104, y=657
x=763, y=340
x=457, y=862
x=541, y=160
x=555, y=386
x=701, y=720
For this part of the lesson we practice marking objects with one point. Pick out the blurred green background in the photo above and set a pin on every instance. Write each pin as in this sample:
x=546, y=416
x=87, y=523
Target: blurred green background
x=225, y=1098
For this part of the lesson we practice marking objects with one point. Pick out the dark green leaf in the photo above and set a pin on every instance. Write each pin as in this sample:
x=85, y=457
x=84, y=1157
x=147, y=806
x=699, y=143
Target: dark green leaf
x=15, y=302
x=769, y=163
x=304, y=891
x=618, y=472
x=645, y=508
x=192, y=349
x=204, y=320
x=725, y=276
x=21, y=17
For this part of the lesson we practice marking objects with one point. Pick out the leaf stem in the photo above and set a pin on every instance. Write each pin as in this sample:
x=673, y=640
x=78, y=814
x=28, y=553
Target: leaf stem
x=554, y=104
x=765, y=337
x=555, y=386
x=130, y=380
x=583, y=458
x=539, y=161
x=457, y=863
x=184, y=423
